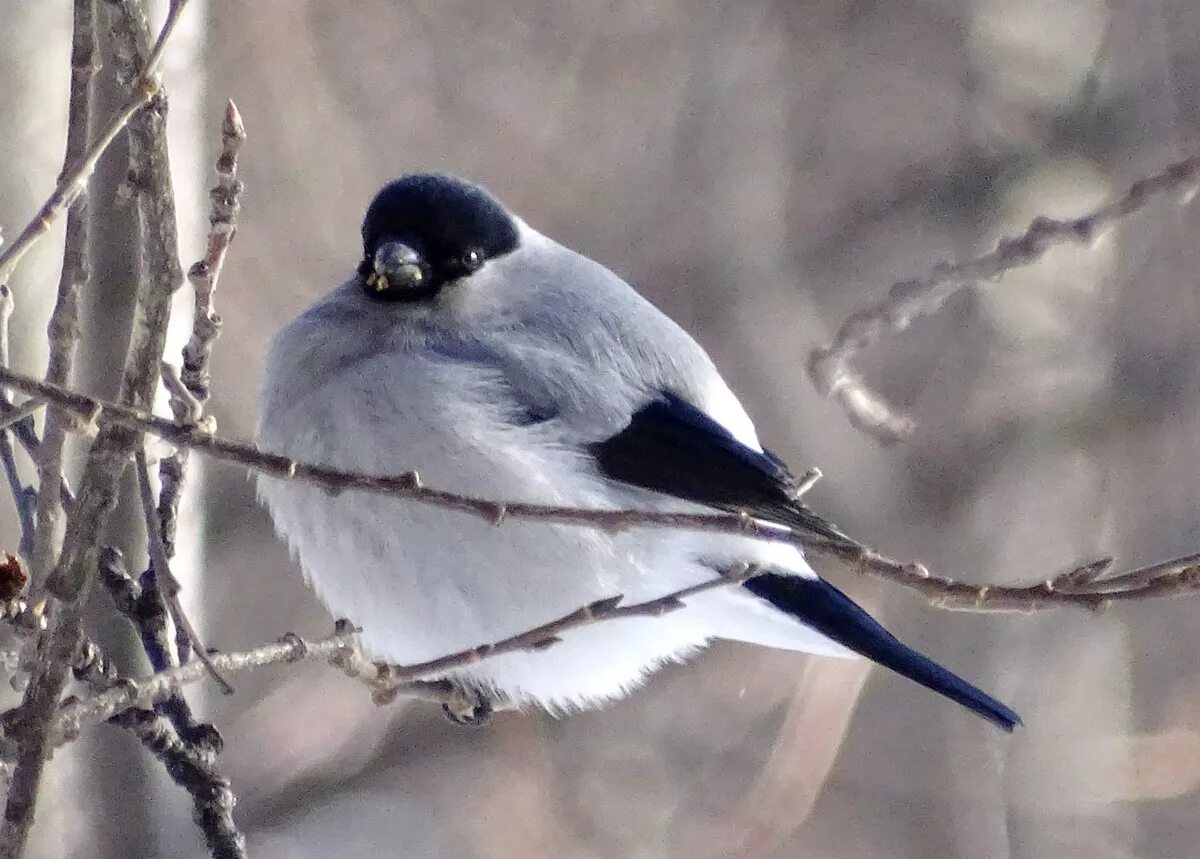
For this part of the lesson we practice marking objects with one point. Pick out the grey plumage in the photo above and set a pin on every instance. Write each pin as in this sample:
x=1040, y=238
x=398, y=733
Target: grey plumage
x=498, y=363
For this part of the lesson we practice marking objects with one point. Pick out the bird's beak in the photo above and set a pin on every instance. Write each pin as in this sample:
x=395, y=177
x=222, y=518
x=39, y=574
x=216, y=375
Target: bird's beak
x=396, y=266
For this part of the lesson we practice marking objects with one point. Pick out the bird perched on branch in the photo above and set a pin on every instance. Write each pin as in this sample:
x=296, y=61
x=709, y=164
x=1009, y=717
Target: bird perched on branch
x=505, y=366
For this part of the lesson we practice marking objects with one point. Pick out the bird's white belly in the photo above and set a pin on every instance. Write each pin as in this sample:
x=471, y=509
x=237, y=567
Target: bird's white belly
x=417, y=579
x=423, y=581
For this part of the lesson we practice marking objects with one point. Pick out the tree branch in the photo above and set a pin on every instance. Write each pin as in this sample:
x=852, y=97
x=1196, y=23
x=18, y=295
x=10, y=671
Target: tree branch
x=831, y=367
x=189, y=392
x=62, y=332
x=191, y=764
x=73, y=181
x=24, y=497
x=161, y=567
x=392, y=678
x=1083, y=587
x=407, y=485
x=74, y=573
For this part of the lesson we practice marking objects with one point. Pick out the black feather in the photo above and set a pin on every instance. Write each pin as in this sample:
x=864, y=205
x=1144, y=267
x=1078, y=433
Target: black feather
x=673, y=447
x=820, y=605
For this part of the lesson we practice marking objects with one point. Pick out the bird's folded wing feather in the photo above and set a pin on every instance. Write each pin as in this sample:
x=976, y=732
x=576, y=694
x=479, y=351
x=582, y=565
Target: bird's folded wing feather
x=673, y=447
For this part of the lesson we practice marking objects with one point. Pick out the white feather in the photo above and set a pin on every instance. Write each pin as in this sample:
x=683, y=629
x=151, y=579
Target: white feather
x=367, y=386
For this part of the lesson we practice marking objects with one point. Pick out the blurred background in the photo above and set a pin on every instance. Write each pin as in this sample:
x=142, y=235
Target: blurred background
x=760, y=170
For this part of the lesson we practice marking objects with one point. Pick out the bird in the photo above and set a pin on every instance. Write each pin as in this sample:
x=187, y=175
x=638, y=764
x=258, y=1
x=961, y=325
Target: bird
x=499, y=364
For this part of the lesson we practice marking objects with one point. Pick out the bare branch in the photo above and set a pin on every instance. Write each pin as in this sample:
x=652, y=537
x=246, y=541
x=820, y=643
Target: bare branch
x=23, y=429
x=161, y=565
x=24, y=497
x=406, y=485
x=204, y=275
x=73, y=180
x=189, y=392
x=191, y=763
x=74, y=573
x=292, y=648
x=20, y=413
x=831, y=367
x=62, y=332
x=186, y=748
x=1174, y=578
x=143, y=610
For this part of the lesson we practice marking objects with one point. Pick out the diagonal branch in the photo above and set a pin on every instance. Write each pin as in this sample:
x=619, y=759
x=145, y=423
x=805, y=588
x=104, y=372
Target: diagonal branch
x=145, y=693
x=831, y=367
x=62, y=332
x=161, y=565
x=75, y=572
x=73, y=180
x=1083, y=587
x=24, y=497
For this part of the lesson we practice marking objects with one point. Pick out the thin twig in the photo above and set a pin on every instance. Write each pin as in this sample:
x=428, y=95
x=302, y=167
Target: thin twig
x=1179, y=580
x=150, y=175
x=397, y=679
x=291, y=648
x=807, y=481
x=1175, y=578
x=191, y=763
x=205, y=274
x=831, y=367
x=74, y=573
x=24, y=497
x=23, y=428
x=189, y=391
x=186, y=748
x=62, y=332
x=407, y=485
x=73, y=180
x=140, y=606
x=169, y=585
x=149, y=182
x=20, y=413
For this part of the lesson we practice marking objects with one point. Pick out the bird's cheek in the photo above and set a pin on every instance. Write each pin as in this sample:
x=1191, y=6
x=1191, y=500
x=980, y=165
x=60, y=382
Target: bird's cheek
x=462, y=300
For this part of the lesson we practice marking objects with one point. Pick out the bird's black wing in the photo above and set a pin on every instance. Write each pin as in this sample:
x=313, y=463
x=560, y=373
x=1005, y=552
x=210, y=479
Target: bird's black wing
x=670, y=446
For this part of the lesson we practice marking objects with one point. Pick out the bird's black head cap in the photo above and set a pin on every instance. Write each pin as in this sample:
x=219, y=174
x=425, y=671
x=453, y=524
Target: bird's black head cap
x=426, y=230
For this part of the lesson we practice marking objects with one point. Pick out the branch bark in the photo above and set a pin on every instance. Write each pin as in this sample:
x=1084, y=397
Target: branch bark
x=831, y=367
x=73, y=181
x=130, y=694
x=1082, y=587
x=62, y=333
x=74, y=573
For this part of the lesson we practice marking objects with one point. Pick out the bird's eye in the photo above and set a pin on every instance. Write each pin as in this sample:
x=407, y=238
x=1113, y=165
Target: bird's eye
x=472, y=259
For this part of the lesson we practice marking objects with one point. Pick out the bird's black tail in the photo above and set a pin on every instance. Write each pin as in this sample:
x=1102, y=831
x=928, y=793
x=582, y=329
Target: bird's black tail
x=818, y=604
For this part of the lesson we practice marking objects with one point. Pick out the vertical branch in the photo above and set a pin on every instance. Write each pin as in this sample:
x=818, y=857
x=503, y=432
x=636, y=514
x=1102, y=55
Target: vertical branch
x=161, y=575
x=75, y=572
x=63, y=330
x=24, y=497
x=226, y=202
x=187, y=749
x=73, y=180
x=190, y=390
x=150, y=179
x=149, y=173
